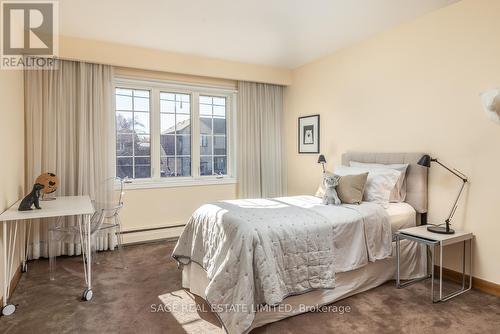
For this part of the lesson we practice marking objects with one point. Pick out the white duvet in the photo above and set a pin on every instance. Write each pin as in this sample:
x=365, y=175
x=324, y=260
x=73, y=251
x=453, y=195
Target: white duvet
x=259, y=251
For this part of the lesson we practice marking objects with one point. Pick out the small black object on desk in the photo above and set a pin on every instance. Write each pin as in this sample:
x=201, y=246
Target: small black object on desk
x=33, y=198
x=426, y=162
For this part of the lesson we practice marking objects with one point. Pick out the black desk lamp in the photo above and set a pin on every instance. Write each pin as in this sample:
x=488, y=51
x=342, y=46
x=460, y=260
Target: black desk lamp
x=322, y=161
x=426, y=162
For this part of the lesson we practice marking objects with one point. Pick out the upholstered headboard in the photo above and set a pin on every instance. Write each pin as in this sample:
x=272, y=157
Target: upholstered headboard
x=416, y=176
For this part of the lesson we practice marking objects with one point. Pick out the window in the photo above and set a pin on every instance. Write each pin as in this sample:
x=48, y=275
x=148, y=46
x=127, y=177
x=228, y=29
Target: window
x=175, y=136
x=133, y=149
x=213, y=154
x=173, y=133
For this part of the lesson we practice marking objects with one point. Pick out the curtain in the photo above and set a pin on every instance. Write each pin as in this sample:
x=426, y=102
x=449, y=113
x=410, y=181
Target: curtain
x=69, y=131
x=261, y=164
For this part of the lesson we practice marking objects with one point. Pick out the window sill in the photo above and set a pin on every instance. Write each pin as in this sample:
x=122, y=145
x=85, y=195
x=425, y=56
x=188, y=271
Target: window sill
x=181, y=182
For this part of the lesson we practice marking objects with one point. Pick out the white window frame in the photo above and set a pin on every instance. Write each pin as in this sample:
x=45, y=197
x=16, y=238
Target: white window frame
x=155, y=86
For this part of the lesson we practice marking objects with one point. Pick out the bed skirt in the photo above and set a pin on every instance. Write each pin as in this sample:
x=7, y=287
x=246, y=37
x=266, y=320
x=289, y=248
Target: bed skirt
x=413, y=264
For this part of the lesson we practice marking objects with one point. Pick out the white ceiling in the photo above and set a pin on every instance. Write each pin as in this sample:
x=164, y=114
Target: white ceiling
x=284, y=33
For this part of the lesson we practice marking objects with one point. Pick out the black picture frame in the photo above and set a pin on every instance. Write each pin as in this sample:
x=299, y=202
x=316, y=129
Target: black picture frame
x=315, y=119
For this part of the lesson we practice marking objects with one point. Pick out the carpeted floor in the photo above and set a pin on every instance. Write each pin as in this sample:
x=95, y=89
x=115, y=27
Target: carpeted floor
x=127, y=301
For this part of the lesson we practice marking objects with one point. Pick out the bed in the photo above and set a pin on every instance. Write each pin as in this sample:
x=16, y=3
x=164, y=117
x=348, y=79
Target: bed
x=263, y=260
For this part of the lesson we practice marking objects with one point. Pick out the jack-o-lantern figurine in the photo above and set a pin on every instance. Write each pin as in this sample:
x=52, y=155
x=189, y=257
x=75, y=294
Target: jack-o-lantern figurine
x=50, y=183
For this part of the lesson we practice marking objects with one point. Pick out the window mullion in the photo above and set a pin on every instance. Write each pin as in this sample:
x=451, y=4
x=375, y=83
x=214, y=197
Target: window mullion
x=212, y=138
x=195, y=136
x=155, y=133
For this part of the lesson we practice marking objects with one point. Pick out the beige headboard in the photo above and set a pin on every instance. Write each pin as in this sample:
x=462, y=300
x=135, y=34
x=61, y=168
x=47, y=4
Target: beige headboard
x=416, y=176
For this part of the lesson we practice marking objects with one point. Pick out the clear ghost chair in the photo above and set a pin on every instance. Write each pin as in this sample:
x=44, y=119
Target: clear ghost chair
x=106, y=220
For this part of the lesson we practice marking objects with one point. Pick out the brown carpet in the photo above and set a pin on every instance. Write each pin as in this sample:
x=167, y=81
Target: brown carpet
x=127, y=301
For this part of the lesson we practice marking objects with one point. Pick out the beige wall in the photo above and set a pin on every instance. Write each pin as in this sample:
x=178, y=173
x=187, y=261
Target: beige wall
x=11, y=146
x=151, y=208
x=414, y=88
x=156, y=60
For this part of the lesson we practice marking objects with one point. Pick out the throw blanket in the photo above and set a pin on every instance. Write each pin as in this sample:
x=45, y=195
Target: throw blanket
x=260, y=251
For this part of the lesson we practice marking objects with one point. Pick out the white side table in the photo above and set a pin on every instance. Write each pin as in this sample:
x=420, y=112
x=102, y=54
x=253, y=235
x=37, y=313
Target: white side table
x=431, y=240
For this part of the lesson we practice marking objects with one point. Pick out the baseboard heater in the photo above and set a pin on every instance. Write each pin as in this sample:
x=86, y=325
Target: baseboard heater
x=152, y=229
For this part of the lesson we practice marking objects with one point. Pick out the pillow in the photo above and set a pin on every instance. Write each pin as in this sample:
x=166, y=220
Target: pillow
x=379, y=183
x=350, y=188
x=398, y=194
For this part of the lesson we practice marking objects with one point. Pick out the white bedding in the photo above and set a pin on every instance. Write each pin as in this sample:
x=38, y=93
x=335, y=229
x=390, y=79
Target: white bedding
x=401, y=215
x=413, y=264
x=262, y=251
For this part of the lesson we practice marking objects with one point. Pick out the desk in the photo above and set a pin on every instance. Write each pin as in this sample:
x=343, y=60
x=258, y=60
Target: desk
x=60, y=207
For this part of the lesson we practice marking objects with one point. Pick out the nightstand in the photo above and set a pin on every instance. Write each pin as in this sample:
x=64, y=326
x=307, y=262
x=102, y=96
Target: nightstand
x=431, y=240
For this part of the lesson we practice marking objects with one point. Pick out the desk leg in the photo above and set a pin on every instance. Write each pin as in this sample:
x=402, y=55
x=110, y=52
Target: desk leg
x=8, y=309
x=5, y=257
x=432, y=271
x=87, y=293
x=470, y=263
x=463, y=266
x=463, y=289
x=398, y=280
x=89, y=251
x=27, y=232
x=440, y=270
x=400, y=285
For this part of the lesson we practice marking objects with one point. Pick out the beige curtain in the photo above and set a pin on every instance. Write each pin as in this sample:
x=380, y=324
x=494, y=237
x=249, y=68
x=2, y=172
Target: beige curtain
x=261, y=165
x=69, y=129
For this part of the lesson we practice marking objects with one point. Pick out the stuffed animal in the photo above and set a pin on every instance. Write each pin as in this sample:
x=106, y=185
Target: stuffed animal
x=331, y=197
x=32, y=198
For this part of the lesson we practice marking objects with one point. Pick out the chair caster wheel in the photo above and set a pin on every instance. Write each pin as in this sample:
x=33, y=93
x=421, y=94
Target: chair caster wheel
x=8, y=309
x=87, y=294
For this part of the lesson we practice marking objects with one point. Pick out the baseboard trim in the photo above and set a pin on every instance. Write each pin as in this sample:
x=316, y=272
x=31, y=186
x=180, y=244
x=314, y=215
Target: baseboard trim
x=13, y=282
x=152, y=235
x=477, y=283
x=152, y=229
x=155, y=241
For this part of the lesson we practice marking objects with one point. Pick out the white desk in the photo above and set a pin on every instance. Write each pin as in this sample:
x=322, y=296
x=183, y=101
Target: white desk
x=60, y=207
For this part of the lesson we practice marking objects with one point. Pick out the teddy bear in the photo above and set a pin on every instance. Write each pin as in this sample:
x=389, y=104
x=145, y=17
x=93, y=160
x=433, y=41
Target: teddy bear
x=331, y=197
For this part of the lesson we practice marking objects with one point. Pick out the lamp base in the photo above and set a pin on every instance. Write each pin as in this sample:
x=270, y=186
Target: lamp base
x=440, y=230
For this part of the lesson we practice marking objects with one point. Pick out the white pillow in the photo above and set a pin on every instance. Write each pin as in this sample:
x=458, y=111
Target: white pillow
x=380, y=182
x=398, y=194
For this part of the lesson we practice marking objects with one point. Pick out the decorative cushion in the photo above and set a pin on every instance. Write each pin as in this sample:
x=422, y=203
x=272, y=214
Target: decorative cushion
x=350, y=188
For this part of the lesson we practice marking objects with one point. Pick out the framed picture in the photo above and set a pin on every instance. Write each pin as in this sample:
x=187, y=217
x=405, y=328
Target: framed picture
x=309, y=134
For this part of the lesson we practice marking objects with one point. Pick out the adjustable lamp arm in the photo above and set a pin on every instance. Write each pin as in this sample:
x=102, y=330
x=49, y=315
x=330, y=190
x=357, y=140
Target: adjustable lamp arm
x=464, y=179
x=454, y=171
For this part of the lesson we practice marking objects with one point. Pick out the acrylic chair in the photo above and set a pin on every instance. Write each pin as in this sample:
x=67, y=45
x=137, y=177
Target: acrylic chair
x=105, y=220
